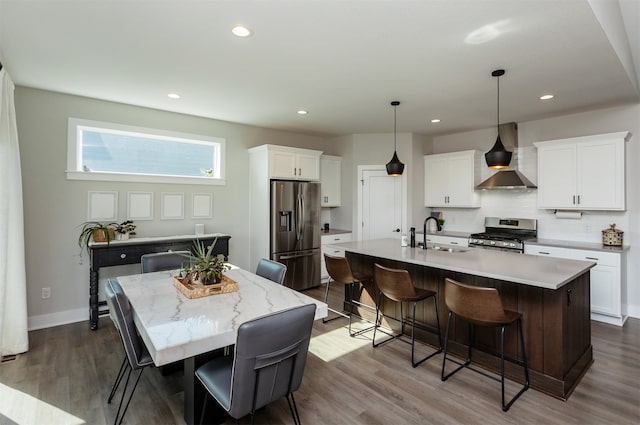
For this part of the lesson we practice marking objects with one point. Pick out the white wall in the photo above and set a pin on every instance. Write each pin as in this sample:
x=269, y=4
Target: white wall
x=55, y=206
x=523, y=203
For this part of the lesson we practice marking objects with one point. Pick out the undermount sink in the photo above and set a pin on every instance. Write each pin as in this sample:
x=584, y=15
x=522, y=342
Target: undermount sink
x=445, y=248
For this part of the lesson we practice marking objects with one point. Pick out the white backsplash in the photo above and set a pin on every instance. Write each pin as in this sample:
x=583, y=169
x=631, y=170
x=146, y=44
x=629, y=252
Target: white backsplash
x=522, y=204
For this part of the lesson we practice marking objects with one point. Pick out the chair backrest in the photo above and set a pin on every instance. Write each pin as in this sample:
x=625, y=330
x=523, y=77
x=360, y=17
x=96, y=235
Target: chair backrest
x=338, y=269
x=394, y=283
x=119, y=305
x=271, y=270
x=160, y=261
x=270, y=356
x=476, y=304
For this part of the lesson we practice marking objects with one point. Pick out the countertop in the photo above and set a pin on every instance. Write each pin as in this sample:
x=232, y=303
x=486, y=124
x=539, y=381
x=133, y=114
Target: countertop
x=446, y=233
x=539, y=271
x=591, y=246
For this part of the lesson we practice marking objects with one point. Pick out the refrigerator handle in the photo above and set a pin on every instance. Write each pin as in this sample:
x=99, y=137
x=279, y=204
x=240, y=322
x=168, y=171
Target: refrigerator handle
x=290, y=257
x=299, y=216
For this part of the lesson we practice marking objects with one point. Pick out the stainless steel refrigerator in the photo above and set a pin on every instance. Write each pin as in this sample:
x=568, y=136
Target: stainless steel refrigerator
x=295, y=231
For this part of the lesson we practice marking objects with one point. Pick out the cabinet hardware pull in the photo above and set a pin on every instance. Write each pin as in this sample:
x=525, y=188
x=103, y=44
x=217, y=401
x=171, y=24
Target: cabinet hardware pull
x=123, y=256
x=592, y=258
x=574, y=199
x=453, y=243
x=542, y=252
x=578, y=199
x=568, y=296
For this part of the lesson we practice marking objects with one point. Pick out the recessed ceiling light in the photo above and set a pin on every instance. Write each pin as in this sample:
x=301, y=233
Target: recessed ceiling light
x=241, y=31
x=173, y=96
x=435, y=120
x=302, y=112
x=546, y=97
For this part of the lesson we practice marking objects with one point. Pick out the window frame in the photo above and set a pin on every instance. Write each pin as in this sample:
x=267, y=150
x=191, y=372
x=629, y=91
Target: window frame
x=74, y=166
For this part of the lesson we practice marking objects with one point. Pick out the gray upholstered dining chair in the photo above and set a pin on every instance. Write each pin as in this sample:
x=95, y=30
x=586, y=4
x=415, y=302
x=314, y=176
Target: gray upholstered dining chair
x=160, y=261
x=268, y=363
x=271, y=270
x=136, y=354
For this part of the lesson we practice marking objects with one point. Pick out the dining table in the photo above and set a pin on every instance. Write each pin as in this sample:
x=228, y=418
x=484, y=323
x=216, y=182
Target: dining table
x=176, y=328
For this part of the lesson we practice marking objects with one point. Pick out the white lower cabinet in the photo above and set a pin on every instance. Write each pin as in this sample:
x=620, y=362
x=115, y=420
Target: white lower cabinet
x=608, y=280
x=327, y=240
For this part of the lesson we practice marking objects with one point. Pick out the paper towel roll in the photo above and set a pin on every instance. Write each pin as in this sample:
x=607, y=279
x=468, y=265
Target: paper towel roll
x=574, y=215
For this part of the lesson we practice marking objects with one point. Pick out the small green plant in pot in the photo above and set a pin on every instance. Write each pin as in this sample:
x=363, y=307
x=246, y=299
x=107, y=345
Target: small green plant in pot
x=96, y=231
x=124, y=230
x=204, y=267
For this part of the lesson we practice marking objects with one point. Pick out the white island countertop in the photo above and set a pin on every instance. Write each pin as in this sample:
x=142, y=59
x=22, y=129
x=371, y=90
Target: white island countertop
x=543, y=272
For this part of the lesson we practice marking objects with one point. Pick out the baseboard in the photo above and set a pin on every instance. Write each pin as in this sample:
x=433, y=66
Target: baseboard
x=633, y=311
x=59, y=318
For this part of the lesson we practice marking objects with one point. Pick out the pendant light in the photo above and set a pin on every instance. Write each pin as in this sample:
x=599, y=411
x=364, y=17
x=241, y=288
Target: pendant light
x=498, y=156
x=395, y=167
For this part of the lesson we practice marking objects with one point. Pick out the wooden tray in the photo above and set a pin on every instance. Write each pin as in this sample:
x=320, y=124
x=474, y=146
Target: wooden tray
x=194, y=290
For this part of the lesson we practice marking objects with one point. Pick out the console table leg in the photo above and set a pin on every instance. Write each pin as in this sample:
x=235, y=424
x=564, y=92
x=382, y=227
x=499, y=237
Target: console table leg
x=93, y=299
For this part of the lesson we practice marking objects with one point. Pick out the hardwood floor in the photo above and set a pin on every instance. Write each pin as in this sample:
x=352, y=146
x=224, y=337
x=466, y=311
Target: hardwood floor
x=67, y=374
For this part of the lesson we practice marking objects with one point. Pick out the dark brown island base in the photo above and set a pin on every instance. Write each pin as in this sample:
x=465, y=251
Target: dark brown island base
x=553, y=296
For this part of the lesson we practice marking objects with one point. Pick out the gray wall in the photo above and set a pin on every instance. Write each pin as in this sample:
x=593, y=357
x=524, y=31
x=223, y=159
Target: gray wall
x=55, y=206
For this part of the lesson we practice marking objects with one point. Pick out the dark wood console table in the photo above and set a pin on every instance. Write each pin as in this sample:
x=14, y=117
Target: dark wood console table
x=117, y=253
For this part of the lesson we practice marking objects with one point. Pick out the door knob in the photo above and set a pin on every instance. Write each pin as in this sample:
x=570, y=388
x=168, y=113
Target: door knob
x=397, y=230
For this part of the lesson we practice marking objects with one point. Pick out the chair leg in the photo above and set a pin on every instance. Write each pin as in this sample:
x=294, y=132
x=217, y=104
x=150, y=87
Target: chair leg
x=446, y=346
x=294, y=409
x=525, y=387
x=204, y=408
x=413, y=340
x=130, y=395
x=351, y=285
x=116, y=384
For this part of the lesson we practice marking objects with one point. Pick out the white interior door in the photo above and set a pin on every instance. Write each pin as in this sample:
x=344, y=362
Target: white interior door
x=382, y=204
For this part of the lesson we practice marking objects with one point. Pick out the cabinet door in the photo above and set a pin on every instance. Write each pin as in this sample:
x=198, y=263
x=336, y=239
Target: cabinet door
x=330, y=169
x=460, y=182
x=435, y=181
x=282, y=164
x=605, y=290
x=308, y=167
x=557, y=177
x=601, y=175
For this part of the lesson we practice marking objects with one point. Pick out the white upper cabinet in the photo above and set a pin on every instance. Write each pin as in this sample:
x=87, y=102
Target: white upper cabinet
x=292, y=163
x=450, y=179
x=330, y=170
x=582, y=173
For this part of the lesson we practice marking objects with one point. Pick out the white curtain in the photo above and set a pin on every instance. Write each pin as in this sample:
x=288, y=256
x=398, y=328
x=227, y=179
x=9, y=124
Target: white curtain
x=14, y=338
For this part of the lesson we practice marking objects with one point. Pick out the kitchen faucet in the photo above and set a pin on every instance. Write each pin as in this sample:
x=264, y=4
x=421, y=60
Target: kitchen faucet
x=424, y=231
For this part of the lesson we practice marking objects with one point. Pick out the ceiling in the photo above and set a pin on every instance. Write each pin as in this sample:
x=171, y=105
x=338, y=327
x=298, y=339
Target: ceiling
x=342, y=61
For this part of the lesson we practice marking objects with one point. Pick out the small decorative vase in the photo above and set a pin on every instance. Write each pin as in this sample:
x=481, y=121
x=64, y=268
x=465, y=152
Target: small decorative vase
x=122, y=236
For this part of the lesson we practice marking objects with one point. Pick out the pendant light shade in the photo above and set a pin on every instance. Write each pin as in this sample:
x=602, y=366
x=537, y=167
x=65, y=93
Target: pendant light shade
x=395, y=167
x=498, y=156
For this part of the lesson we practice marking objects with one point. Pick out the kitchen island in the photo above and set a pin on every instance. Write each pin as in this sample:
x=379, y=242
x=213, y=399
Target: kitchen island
x=552, y=295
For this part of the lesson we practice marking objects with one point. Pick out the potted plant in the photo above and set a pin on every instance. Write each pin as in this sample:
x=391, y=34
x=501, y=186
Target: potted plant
x=204, y=267
x=124, y=230
x=96, y=231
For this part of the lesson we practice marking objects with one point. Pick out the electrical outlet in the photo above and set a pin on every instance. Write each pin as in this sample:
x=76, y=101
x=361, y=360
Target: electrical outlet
x=46, y=293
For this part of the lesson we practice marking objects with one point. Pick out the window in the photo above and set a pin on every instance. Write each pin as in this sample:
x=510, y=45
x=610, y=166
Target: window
x=113, y=152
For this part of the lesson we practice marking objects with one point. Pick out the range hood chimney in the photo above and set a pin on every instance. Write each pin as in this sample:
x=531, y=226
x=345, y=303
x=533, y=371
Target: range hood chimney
x=512, y=178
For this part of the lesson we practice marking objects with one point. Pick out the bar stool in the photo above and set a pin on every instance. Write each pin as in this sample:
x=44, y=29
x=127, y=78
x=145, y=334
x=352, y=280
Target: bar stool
x=340, y=272
x=483, y=307
x=397, y=286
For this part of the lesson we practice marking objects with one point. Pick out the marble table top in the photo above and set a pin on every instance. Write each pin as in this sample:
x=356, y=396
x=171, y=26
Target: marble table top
x=174, y=327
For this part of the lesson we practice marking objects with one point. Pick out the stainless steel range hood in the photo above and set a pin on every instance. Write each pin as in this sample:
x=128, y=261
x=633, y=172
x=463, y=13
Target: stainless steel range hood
x=511, y=178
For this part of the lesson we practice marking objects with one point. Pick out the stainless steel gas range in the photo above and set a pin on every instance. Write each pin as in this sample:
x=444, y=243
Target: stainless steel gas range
x=505, y=234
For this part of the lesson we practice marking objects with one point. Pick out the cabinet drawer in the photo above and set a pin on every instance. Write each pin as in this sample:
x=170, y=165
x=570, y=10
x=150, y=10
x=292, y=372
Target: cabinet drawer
x=331, y=239
x=548, y=251
x=601, y=258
